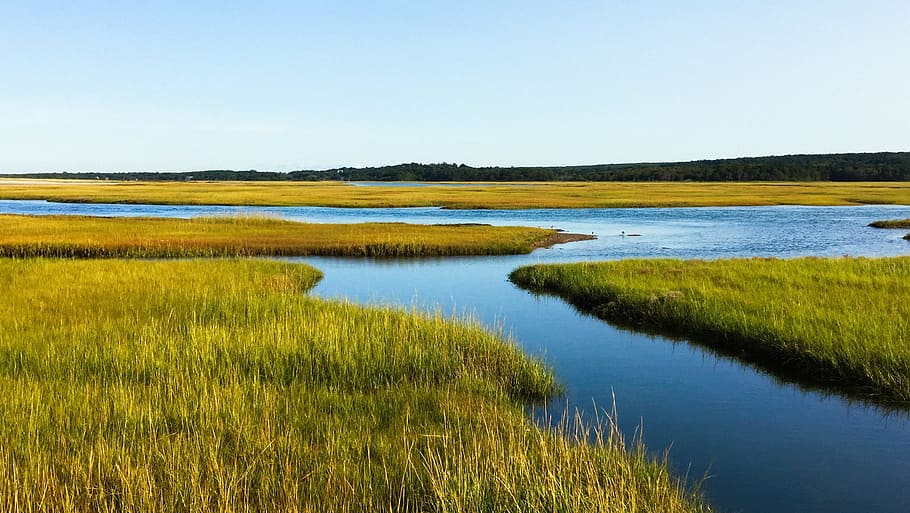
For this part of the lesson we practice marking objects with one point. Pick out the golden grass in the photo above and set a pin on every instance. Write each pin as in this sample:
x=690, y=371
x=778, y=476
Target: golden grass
x=839, y=321
x=76, y=236
x=512, y=196
x=217, y=386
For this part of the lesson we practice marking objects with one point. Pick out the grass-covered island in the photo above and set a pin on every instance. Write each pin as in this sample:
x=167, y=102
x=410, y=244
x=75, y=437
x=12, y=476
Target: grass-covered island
x=218, y=385
x=842, y=322
x=78, y=236
x=464, y=196
x=891, y=224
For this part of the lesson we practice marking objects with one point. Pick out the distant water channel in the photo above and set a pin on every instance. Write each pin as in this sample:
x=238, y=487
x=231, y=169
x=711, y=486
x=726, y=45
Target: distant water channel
x=766, y=445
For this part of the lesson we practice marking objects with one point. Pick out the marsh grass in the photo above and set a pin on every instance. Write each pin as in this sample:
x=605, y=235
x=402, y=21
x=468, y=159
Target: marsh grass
x=891, y=223
x=98, y=237
x=218, y=385
x=843, y=322
x=479, y=195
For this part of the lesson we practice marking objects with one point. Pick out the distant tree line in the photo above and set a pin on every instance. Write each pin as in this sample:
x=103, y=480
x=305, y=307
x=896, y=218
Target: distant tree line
x=833, y=167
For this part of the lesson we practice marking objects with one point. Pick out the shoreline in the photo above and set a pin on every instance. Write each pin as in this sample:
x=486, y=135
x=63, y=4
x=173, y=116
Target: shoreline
x=669, y=297
x=154, y=237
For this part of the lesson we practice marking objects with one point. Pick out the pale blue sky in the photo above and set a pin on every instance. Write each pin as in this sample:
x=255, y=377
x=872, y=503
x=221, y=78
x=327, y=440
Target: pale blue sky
x=123, y=86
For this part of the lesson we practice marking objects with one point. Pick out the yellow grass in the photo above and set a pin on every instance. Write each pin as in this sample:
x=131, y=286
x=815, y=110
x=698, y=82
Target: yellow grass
x=219, y=386
x=76, y=236
x=512, y=196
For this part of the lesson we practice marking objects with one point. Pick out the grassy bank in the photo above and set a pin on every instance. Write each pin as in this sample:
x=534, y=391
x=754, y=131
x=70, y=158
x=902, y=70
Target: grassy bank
x=512, y=196
x=218, y=386
x=76, y=236
x=832, y=321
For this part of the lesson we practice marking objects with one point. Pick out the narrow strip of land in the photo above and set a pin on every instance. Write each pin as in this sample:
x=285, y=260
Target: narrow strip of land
x=216, y=385
x=98, y=237
x=842, y=322
x=479, y=195
x=893, y=224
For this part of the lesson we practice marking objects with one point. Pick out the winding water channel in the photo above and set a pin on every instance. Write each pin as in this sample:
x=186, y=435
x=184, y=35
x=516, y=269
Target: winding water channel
x=766, y=445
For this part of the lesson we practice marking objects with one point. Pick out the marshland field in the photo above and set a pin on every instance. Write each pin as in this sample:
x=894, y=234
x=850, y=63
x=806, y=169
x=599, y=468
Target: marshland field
x=218, y=385
x=461, y=195
x=377, y=357
x=83, y=236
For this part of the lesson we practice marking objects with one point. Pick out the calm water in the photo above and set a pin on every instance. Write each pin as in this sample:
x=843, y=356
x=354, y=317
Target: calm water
x=767, y=446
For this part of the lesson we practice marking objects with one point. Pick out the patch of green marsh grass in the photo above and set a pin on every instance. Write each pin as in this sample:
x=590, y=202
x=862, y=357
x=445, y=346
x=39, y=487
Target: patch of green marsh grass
x=218, y=386
x=97, y=237
x=845, y=321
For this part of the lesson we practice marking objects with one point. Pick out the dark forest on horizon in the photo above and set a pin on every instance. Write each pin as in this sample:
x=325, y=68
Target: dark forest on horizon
x=884, y=166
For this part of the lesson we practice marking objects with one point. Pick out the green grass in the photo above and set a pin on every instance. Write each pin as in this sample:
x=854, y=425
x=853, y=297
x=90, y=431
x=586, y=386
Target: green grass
x=844, y=322
x=479, y=195
x=217, y=385
x=96, y=237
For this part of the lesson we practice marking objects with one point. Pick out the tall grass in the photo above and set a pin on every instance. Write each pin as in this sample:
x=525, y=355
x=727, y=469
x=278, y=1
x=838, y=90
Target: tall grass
x=96, y=237
x=219, y=386
x=513, y=196
x=839, y=321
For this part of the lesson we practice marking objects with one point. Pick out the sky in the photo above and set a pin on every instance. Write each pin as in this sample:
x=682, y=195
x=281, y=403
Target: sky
x=270, y=85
